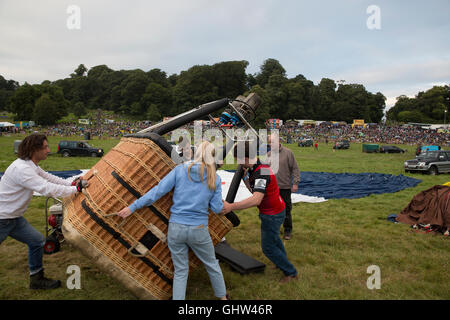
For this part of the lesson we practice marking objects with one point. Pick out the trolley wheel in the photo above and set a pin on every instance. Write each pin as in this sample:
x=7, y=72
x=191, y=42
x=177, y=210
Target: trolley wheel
x=51, y=245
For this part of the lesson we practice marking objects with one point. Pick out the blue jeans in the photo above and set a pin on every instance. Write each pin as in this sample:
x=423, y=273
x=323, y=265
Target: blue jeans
x=180, y=238
x=21, y=230
x=271, y=244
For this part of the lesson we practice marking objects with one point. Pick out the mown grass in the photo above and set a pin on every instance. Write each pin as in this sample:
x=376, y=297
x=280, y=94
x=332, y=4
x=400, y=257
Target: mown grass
x=333, y=242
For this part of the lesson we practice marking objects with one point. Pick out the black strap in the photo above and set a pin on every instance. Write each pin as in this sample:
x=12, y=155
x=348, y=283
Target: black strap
x=137, y=195
x=116, y=235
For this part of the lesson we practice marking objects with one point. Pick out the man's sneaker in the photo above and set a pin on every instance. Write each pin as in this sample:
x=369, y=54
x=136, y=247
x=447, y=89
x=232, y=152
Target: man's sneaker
x=38, y=281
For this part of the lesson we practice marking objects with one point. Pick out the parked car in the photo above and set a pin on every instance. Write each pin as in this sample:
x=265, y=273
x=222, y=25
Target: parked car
x=391, y=149
x=432, y=162
x=78, y=148
x=423, y=149
x=344, y=144
x=306, y=143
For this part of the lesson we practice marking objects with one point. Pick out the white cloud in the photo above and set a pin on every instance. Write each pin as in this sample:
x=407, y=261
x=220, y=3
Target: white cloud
x=432, y=70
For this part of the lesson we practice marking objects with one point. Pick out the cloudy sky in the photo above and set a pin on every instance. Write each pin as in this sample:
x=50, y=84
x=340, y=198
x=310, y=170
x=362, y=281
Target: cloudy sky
x=405, y=51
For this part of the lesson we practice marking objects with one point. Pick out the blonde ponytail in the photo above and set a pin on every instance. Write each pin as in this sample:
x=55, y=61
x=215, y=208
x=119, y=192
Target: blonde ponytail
x=205, y=157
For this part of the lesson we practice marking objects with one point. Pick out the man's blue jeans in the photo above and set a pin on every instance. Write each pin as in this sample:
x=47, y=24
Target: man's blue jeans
x=180, y=238
x=21, y=230
x=271, y=244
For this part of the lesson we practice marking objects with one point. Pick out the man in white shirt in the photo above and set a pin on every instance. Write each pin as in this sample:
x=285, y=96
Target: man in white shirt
x=20, y=180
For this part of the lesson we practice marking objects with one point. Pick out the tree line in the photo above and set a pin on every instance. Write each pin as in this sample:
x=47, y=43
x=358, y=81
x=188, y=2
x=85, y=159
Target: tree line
x=425, y=107
x=151, y=95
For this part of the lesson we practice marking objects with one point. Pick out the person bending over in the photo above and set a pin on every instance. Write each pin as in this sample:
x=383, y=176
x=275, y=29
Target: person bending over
x=21, y=179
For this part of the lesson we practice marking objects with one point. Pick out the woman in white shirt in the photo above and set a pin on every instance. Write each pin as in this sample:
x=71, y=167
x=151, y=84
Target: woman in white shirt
x=20, y=180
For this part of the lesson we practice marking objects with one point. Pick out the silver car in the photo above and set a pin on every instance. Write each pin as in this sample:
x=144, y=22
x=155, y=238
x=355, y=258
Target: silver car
x=432, y=162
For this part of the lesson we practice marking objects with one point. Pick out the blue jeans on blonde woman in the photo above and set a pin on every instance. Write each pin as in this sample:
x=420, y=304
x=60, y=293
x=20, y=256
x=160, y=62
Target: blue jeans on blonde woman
x=180, y=238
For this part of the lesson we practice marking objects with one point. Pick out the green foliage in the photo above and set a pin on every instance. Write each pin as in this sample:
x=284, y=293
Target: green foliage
x=79, y=72
x=425, y=107
x=28, y=103
x=45, y=111
x=7, y=88
x=132, y=92
x=325, y=98
x=269, y=68
x=153, y=113
x=22, y=102
x=410, y=116
x=70, y=118
x=79, y=109
x=263, y=112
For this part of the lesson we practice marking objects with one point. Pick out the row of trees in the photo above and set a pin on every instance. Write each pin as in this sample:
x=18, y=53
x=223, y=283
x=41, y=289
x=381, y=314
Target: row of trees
x=151, y=95
x=425, y=107
x=299, y=98
x=7, y=89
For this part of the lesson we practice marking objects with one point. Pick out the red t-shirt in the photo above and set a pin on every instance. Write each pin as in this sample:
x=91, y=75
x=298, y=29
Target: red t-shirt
x=262, y=179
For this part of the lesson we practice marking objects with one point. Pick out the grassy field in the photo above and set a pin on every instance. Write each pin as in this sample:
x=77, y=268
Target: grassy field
x=333, y=242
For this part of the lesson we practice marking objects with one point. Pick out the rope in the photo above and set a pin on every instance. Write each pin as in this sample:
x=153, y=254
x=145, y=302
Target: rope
x=134, y=185
x=158, y=233
x=142, y=163
x=153, y=145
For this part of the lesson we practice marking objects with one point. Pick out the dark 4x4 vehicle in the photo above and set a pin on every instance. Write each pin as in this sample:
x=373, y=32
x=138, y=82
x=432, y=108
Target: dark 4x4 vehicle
x=391, y=149
x=344, y=144
x=78, y=148
x=433, y=162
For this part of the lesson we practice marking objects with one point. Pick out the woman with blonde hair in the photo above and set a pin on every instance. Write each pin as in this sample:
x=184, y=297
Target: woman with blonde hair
x=197, y=187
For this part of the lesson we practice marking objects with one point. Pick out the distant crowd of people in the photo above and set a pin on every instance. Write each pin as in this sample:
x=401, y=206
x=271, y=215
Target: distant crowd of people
x=370, y=134
x=104, y=130
x=320, y=133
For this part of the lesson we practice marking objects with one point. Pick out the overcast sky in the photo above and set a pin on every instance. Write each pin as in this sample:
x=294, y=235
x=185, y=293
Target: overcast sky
x=408, y=53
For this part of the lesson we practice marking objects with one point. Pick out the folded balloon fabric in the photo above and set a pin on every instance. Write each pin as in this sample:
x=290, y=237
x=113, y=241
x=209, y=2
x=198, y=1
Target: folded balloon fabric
x=352, y=185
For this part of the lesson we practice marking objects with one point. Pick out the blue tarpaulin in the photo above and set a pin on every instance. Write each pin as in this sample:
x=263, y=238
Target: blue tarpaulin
x=330, y=185
x=351, y=185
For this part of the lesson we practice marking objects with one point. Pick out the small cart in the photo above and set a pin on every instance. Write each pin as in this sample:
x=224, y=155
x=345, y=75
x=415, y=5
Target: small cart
x=53, y=222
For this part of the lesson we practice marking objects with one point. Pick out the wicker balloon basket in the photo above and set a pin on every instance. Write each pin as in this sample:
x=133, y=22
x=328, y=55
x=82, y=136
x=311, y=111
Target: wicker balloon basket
x=133, y=250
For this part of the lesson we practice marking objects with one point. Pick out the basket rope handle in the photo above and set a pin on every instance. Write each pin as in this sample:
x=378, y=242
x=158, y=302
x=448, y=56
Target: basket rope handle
x=143, y=250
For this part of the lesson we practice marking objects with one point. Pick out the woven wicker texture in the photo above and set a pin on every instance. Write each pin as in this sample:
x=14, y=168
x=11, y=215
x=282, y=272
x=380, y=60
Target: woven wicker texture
x=130, y=169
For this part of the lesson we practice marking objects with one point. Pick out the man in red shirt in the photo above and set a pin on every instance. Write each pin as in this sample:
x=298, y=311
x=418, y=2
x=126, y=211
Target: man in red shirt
x=262, y=183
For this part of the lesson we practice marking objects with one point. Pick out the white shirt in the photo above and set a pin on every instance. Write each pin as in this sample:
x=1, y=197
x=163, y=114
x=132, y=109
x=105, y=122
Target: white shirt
x=21, y=179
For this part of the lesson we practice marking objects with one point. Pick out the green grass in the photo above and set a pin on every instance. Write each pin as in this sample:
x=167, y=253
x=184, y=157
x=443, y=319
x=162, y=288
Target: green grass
x=333, y=242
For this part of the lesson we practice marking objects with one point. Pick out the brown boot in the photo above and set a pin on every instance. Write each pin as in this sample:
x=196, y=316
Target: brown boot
x=38, y=281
